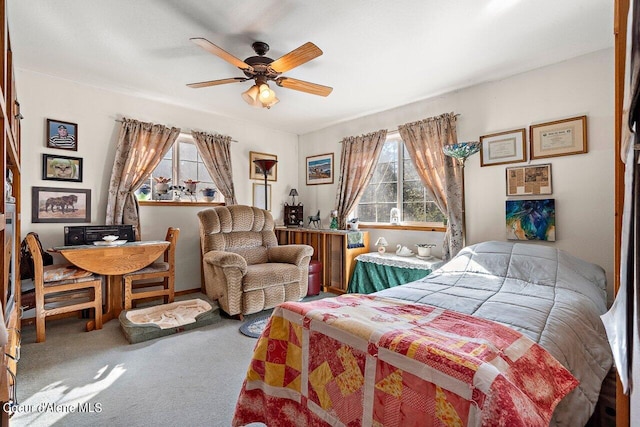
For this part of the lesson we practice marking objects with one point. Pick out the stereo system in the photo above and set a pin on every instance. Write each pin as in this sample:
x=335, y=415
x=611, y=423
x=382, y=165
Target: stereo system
x=86, y=235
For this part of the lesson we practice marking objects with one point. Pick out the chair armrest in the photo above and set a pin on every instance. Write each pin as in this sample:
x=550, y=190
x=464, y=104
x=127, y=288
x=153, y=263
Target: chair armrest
x=225, y=259
x=290, y=254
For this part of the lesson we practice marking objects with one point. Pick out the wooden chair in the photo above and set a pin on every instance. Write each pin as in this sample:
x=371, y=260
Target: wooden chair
x=62, y=289
x=164, y=270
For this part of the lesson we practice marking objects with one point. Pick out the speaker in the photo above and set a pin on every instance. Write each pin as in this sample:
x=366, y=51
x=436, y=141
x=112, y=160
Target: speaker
x=73, y=236
x=86, y=235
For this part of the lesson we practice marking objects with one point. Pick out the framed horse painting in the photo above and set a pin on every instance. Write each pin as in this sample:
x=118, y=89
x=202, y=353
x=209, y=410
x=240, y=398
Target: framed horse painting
x=60, y=204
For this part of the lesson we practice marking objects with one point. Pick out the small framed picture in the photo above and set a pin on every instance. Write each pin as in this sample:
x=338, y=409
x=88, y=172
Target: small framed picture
x=61, y=168
x=504, y=147
x=320, y=169
x=62, y=135
x=259, y=196
x=60, y=204
x=528, y=180
x=254, y=170
x=559, y=138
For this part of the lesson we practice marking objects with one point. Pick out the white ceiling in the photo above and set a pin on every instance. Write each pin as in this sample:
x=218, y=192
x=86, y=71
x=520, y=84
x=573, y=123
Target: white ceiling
x=377, y=54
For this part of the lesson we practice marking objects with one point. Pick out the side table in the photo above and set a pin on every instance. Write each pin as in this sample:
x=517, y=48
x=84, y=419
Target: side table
x=375, y=272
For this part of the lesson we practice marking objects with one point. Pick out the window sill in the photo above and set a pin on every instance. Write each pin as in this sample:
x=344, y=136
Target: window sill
x=177, y=203
x=408, y=227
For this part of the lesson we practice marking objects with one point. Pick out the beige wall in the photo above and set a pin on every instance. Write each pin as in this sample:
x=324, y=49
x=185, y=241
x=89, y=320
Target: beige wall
x=582, y=184
x=95, y=111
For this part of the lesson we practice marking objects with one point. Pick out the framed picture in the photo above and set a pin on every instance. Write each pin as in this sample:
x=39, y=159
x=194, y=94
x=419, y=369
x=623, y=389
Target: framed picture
x=559, y=138
x=62, y=135
x=60, y=205
x=259, y=194
x=504, y=147
x=61, y=168
x=254, y=170
x=320, y=169
x=531, y=219
x=528, y=180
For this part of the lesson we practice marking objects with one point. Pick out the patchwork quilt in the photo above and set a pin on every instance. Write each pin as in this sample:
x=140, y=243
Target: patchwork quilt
x=370, y=360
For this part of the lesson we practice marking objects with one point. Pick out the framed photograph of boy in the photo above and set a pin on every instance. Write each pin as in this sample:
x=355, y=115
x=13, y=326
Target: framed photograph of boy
x=62, y=135
x=61, y=168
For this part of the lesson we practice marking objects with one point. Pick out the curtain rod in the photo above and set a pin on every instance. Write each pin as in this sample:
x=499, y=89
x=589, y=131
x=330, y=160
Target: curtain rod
x=185, y=131
x=397, y=131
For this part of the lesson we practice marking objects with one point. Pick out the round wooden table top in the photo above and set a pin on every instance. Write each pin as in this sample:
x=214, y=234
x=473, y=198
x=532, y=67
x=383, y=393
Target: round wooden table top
x=114, y=260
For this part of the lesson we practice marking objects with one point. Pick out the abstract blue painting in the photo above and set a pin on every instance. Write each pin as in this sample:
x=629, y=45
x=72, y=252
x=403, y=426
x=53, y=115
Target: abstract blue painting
x=531, y=219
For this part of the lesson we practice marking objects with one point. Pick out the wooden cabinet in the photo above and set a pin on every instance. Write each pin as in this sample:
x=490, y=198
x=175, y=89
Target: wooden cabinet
x=9, y=217
x=332, y=249
x=294, y=215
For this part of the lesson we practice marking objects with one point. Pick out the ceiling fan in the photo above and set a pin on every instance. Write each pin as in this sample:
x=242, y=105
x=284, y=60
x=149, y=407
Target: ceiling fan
x=262, y=69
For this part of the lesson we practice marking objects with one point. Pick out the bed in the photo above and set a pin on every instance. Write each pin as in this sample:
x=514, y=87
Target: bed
x=503, y=334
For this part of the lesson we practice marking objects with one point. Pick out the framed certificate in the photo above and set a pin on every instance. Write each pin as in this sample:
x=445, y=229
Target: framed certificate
x=559, y=138
x=504, y=147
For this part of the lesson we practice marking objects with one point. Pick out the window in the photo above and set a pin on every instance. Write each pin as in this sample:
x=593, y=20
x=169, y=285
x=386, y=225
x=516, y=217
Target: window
x=181, y=163
x=396, y=184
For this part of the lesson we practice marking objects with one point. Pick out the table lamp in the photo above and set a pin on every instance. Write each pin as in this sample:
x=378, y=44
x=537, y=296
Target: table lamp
x=293, y=193
x=461, y=151
x=265, y=166
x=381, y=243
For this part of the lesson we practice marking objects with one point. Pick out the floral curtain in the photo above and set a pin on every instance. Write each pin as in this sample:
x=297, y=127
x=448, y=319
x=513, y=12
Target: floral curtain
x=141, y=146
x=357, y=163
x=216, y=154
x=442, y=179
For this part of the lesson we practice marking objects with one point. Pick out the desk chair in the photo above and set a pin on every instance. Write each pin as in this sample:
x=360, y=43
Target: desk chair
x=61, y=289
x=164, y=270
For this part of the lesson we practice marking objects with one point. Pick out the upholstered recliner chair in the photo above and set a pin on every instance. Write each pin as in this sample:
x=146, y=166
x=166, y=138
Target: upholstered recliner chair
x=244, y=268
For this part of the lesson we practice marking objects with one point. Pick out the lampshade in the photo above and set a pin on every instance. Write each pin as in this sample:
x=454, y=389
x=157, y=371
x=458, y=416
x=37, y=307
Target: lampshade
x=266, y=94
x=251, y=96
x=381, y=242
x=271, y=103
x=265, y=164
x=462, y=150
x=293, y=192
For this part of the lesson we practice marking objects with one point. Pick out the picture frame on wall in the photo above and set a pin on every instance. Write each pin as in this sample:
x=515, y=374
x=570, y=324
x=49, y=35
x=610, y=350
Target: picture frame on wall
x=319, y=169
x=529, y=180
x=558, y=138
x=531, y=219
x=254, y=170
x=50, y=204
x=503, y=147
x=61, y=168
x=62, y=135
x=258, y=196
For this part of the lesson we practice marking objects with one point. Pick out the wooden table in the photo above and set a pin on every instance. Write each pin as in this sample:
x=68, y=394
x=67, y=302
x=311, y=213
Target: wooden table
x=113, y=262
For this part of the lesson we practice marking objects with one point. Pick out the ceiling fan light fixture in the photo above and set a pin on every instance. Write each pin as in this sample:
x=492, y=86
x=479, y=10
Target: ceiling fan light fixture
x=271, y=103
x=266, y=94
x=250, y=96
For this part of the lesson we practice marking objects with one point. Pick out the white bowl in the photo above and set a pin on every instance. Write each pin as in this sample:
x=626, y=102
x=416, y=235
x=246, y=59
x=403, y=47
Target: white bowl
x=110, y=238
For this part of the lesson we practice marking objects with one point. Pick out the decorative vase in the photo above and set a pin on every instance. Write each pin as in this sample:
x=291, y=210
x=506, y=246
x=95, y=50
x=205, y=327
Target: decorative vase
x=208, y=194
x=334, y=223
x=143, y=192
x=162, y=187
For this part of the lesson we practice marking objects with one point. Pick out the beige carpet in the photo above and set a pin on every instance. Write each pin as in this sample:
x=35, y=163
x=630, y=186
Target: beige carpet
x=188, y=379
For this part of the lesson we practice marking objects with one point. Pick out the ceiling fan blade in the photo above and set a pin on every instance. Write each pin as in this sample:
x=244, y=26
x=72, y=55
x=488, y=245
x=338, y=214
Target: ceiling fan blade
x=302, y=86
x=217, y=82
x=218, y=51
x=296, y=57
